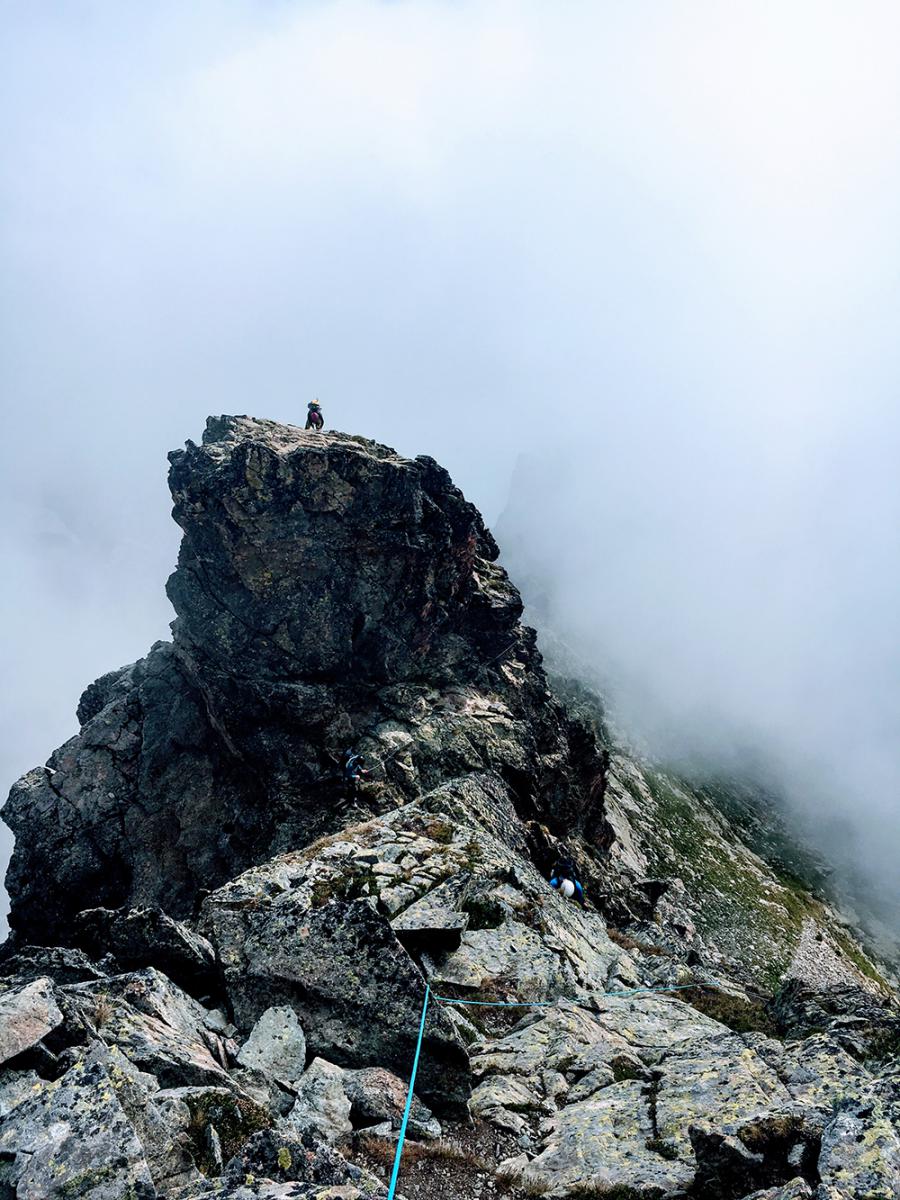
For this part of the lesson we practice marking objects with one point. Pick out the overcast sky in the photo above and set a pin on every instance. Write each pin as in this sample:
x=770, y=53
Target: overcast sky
x=651, y=249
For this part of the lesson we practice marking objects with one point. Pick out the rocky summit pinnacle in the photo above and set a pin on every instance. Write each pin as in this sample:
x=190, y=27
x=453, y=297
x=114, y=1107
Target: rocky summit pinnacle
x=221, y=944
x=338, y=561
x=326, y=590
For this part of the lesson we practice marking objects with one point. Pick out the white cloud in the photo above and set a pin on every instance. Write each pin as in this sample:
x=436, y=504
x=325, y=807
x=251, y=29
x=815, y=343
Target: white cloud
x=656, y=242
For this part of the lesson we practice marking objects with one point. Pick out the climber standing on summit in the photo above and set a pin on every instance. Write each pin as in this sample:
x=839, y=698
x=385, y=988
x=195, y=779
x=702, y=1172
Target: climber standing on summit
x=564, y=876
x=314, y=418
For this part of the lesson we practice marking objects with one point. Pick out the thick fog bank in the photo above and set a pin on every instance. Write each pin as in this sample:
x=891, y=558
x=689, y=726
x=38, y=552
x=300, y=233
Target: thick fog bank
x=741, y=614
x=654, y=246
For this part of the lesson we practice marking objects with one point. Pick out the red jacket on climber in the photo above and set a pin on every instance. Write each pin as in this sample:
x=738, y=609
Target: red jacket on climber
x=314, y=418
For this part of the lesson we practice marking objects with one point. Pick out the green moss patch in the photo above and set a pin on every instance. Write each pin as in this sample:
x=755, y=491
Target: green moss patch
x=234, y=1118
x=355, y=881
x=484, y=912
x=734, y=900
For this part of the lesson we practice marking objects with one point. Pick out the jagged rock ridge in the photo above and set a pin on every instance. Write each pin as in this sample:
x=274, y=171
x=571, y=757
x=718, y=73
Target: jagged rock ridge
x=328, y=594
x=218, y=960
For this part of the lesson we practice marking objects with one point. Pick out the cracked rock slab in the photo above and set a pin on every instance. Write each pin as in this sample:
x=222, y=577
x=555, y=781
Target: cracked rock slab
x=573, y=1038
x=602, y=1143
x=72, y=1140
x=722, y=1082
x=27, y=1014
x=276, y=1046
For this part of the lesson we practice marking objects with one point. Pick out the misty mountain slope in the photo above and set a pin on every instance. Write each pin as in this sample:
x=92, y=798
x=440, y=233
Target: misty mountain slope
x=220, y=955
x=737, y=883
x=752, y=913
x=676, y=874
x=728, y=650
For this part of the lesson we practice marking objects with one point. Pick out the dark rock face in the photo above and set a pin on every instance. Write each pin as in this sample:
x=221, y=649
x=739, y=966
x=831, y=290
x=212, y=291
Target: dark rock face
x=60, y=963
x=329, y=593
x=133, y=807
x=725, y=1167
x=147, y=937
x=267, y=516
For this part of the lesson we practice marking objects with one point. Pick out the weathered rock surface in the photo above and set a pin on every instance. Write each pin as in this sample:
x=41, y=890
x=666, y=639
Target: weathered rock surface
x=72, y=1138
x=322, y=1109
x=352, y=985
x=212, y=1123
x=16, y=1086
x=148, y=937
x=156, y=1025
x=27, y=1014
x=819, y=1073
x=240, y=951
x=603, y=1143
x=276, y=1046
x=265, y=1190
x=861, y=1153
x=376, y=1095
x=285, y=934
x=797, y=1189
x=723, y=1081
x=167, y=1156
x=285, y=1157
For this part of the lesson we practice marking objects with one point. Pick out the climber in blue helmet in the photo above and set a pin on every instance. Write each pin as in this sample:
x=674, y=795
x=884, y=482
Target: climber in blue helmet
x=314, y=418
x=564, y=876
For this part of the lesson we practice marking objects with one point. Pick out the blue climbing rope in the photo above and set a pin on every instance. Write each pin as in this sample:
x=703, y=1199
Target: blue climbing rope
x=401, y=1138
x=673, y=987
x=409, y=1099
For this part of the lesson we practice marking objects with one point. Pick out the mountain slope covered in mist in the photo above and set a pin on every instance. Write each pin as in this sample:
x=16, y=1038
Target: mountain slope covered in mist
x=749, y=655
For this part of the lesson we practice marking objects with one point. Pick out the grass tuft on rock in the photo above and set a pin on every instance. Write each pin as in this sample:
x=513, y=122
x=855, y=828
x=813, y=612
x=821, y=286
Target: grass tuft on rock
x=736, y=1013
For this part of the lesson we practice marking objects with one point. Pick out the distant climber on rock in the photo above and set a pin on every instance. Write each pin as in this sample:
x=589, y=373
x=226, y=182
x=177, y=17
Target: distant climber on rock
x=564, y=876
x=354, y=772
x=314, y=418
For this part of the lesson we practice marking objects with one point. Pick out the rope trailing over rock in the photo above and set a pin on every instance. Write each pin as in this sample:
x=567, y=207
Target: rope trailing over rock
x=401, y=1138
